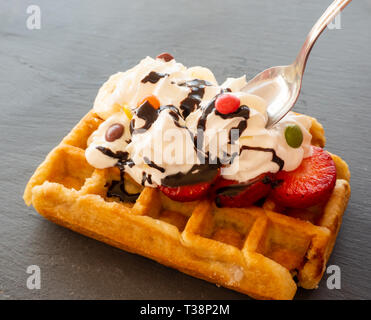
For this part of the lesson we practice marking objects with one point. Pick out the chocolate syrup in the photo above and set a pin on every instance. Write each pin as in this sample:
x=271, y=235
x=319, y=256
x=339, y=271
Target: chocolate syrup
x=174, y=112
x=121, y=155
x=153, y=165
x=201, y=124
x=117, y=188
x=275, y=158
x=148, y=114
x=145, y=178
x=242, y=112
x=193, y=100
x=154, y=77
x=197, y=174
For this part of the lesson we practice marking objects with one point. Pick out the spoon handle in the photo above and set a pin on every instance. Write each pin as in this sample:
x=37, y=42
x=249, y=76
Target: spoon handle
x=323, y=21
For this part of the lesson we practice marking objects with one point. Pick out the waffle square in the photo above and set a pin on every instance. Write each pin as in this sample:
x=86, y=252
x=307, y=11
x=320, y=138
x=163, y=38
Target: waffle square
x=264, y=251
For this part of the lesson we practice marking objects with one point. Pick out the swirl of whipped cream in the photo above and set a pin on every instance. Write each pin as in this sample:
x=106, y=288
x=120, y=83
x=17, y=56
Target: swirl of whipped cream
x=161, y=144
x=166, y=80
x=266, y=150
x=97, y=142
x=221, y=132
x=165, y=147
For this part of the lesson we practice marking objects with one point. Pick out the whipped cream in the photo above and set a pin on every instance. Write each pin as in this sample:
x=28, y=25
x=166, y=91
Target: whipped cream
x=167, y=142
x=97, y=158
x=253, y=162
x=221, y=133
x=131, y=87
x=164, y=149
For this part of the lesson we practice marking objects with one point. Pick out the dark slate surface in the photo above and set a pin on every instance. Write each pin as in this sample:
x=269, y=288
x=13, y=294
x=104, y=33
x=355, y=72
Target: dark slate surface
x=49, y=79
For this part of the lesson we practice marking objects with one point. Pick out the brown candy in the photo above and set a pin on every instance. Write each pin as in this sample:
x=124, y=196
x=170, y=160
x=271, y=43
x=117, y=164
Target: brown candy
x=114, y=132
x=165, y=56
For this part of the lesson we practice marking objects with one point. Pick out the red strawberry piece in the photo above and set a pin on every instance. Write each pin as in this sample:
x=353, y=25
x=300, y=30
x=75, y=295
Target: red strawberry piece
x=165, y=56
x=227, y=103
x=187, y=193
x=310, y=184
x=230, y=193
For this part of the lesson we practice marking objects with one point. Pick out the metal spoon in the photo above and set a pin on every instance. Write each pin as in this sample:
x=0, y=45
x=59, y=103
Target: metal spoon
x=280, y=86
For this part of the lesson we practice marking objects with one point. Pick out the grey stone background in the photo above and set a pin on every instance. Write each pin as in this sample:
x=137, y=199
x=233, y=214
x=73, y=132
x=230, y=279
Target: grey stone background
x=49, y=79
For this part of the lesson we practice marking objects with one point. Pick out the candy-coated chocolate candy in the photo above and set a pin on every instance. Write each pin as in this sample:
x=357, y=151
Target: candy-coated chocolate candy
x=293, y=136
x=165, y=56
x=114, y=132
x=227, y=103
x=127, y=111
x=153, y=101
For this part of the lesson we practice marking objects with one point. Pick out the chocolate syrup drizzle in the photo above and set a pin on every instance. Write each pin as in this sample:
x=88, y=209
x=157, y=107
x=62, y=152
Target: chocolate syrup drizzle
x=154, y=77
x=153, y=165
x=121, y=155
x=197, y=174
x=117, y=187
x=276, y=159
x=193, y=100
x=242, y=112
x=145, y=178
x=148, y=114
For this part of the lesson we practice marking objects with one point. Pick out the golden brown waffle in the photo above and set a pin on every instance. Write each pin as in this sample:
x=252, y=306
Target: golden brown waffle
x=256, y=250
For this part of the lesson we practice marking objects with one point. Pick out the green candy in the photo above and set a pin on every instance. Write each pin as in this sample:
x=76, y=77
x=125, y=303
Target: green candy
x=293, y=136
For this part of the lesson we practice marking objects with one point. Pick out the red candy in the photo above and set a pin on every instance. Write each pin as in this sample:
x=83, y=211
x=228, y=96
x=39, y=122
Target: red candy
x=227, y=103
x=165, y=56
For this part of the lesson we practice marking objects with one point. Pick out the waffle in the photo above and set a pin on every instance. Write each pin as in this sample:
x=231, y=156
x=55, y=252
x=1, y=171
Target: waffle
x=264, y=251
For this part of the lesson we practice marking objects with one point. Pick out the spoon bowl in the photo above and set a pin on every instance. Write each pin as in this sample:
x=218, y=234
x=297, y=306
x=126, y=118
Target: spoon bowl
x=280, y=86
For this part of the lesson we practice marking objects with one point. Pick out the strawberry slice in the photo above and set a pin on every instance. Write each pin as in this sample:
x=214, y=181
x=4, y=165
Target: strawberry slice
x=186, y=193
x=189, y=192
x=230, y=193
x=310, y=184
